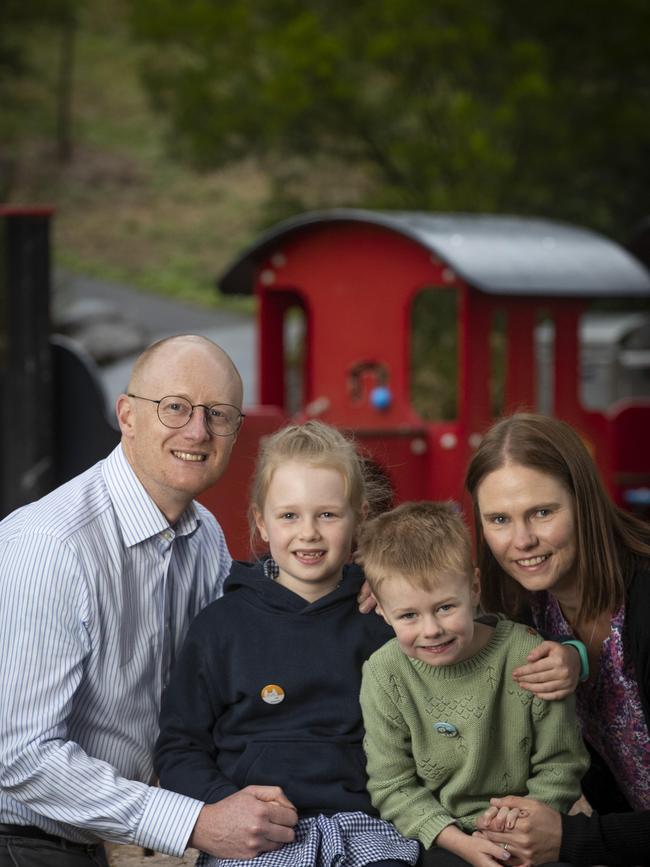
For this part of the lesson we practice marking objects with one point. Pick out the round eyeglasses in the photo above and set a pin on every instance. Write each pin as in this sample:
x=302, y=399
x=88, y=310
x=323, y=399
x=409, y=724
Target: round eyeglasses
x=221, y=419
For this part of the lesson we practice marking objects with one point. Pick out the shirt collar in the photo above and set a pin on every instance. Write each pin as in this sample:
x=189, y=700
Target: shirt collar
x=138, y=515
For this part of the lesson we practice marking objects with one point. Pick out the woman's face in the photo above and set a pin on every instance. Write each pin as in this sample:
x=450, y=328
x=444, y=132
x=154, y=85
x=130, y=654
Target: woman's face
x=528, y=520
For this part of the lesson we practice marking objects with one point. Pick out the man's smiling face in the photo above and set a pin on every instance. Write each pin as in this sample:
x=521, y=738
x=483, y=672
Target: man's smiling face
x=177, y=464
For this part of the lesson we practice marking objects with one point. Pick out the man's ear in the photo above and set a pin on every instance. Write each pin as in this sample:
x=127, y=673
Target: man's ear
x=125, y=415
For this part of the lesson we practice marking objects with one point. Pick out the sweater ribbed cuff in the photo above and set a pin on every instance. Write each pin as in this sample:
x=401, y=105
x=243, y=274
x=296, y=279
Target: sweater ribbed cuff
x=428, y=832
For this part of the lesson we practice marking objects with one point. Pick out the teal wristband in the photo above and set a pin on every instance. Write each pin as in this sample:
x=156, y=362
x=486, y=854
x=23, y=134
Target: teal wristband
x=584, y=658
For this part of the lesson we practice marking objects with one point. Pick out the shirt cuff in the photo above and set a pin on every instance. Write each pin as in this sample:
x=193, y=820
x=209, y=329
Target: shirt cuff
x=167, y=822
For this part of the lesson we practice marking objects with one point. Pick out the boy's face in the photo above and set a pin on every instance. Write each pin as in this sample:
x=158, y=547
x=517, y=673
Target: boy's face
x=434, y=625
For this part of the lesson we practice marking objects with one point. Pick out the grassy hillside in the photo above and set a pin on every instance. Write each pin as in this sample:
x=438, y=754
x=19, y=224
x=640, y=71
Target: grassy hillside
x=125, y=210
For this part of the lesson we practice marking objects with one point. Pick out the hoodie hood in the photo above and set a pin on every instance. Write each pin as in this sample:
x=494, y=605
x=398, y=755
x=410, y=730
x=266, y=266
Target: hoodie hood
x=263, y=592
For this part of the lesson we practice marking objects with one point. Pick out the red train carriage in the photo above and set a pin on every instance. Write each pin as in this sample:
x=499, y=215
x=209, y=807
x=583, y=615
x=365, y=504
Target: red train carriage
x=411, y=330
x=507, y=297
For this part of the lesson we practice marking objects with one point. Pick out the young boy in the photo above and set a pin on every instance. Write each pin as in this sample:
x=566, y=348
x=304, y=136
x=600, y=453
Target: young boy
x=447, y=728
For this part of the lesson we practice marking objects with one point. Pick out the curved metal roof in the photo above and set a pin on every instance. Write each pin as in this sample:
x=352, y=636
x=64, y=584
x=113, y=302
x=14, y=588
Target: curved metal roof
x=497, y=254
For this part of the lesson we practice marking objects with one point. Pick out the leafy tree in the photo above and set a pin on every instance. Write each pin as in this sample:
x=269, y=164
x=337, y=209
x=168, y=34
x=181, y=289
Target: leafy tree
x=22, y=24
x=495, y=106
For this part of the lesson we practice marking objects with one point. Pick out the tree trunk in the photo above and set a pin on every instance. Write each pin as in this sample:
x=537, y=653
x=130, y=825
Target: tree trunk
x=65, y=86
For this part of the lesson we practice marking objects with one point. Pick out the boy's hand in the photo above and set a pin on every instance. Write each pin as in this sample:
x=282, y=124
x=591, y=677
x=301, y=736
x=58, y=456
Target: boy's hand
x=552, y=672
x=475, y=849
x=365, y=599
x=499, y=818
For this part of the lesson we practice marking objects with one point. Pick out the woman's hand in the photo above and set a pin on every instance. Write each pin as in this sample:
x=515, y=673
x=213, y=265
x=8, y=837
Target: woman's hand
x=365, y=600
x=536, y=835
x=552, y=672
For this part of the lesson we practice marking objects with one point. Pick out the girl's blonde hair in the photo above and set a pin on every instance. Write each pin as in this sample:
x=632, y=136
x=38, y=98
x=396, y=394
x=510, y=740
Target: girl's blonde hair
x=320, y=445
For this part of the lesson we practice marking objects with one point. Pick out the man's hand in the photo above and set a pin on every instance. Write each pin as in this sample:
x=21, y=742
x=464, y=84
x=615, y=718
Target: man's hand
x=257, y=819
x=537, y=834
x=552, y=672
x=365, y=599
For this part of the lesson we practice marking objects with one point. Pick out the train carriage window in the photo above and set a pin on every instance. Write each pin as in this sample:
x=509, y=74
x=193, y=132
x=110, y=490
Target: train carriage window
x=434, y=354
x=545, y=363
x=614, y=356
x=294, y=340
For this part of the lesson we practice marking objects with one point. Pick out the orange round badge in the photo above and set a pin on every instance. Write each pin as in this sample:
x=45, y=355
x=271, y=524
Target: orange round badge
x=272, y=693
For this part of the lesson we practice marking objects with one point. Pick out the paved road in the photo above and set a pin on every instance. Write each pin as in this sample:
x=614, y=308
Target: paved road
x=101, y=312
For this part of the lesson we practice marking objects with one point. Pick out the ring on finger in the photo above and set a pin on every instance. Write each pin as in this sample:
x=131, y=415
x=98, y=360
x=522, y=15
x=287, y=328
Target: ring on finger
x=506, y=848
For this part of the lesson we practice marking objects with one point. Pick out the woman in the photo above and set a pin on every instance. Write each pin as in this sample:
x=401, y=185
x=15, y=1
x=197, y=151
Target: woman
x=552, y=545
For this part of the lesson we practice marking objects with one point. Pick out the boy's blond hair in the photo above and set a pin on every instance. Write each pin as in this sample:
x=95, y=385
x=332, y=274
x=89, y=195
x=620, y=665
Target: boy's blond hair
x=416, y=541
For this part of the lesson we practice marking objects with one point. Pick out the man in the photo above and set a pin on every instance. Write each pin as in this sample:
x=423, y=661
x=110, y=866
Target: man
x=99, y=581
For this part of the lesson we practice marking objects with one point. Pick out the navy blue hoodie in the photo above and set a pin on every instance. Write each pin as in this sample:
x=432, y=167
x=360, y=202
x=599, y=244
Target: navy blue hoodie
x=266, y=692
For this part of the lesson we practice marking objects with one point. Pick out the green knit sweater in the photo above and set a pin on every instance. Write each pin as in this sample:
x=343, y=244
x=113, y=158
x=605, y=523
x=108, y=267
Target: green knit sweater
x=499, y=739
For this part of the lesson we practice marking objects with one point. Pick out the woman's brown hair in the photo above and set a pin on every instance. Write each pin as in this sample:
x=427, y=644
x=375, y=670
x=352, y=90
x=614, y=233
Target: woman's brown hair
x=609, y=540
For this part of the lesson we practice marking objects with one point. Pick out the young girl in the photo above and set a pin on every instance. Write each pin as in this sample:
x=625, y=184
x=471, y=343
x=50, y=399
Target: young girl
x=266, y=689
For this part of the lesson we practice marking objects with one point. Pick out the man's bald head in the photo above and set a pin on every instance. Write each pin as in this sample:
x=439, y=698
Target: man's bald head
x=163, y=352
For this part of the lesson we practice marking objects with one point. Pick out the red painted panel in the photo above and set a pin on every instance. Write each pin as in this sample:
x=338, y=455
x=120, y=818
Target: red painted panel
x=27, y=210
x=403, y=456
x=520, y=354
x=228, y=499
x=630, y=455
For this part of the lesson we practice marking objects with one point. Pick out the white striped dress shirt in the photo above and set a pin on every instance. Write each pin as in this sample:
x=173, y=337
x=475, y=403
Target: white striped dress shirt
x=97, y=591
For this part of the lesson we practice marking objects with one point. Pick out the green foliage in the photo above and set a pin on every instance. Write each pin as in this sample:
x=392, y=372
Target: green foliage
x=28, y=30
x=124, y=211
x=434, y=354
x=454, y=105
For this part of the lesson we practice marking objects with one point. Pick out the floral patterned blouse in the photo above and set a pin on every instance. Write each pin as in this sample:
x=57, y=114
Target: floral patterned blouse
x=609, y=705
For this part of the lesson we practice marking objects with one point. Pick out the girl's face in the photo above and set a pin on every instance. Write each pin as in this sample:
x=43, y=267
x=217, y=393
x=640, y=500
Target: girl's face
x=309, y=523
x=528, y=520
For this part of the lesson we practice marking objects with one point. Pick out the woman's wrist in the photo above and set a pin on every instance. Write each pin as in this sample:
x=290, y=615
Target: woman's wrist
x=584, y=657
